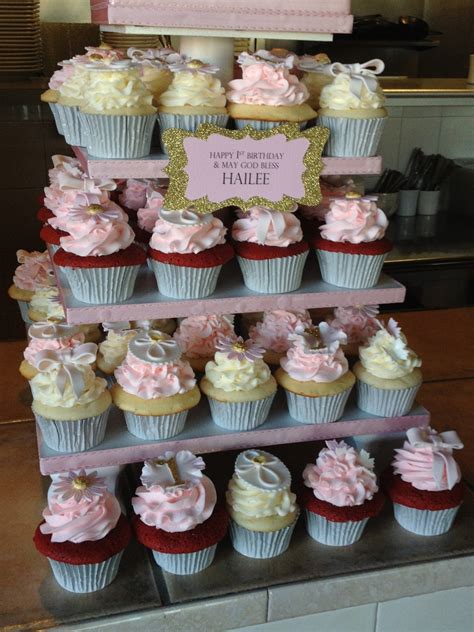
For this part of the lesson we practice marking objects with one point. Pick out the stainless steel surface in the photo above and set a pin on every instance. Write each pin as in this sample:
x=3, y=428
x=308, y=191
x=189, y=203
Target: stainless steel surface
x=394, y=87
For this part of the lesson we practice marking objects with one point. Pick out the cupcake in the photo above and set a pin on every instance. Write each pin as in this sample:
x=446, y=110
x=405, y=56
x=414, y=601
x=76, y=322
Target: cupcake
x=352, y=107
x=198, y=336
x=45, y=305
x=352, y=247
x=148, y=214
x=133, y=196
x=239, y=385
x=84, y=533
x=51, y=95
x=51, y=337
x=425, y=485
x=358, y=322
x=194, y=96
x=388, y=374
x=52, y=238
x=273, y=332
x=270, y=250
x=344, y=494
x=268, y=94
x=155, y=387
x=261, y=505
x=315, y=375
x=70, y=97
x=70, y=404
x=176, y=513
x=316, y=71
x=98, y=257
x=34, y=271
x=118, y=114
x=187, y=252
x=154, y=69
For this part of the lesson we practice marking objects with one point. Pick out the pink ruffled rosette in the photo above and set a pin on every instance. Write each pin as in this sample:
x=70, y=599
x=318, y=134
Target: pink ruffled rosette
x=133, y=195
x=34, y=272
x=272, y=333
x=198, y=336
x=358, y=322
x=184, y=232
x=355, y=220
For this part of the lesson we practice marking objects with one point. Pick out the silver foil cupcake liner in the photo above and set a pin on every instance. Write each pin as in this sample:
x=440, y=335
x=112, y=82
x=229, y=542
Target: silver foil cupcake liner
x=190, y=122
x=154, y=427
x=57, y=118
x=73, y=130
x=101, y=285
x=86, y=578
x=74, y=435
x=334, y=533
x=385, y=402
x=24, y=307
x=352, y=137
x=357, y=272
x=263, y=125
x=317, y=410
x=186, y=563
x=273, y=276
x=260, y=544
x=118, y=136
x=240, y=415
x=184, y=282
x=424, y=521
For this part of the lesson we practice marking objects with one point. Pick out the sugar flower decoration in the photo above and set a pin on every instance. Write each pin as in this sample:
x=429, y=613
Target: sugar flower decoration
x=80, y=486
x=238, y=349
x=173, y=469
x=193, y=66
x=319, y=337
x=118, y=327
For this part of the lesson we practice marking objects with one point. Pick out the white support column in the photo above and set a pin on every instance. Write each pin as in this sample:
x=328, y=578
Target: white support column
x=215, y=50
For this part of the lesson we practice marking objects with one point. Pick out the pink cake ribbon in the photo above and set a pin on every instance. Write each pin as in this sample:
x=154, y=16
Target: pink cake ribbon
x=68, y=362
x=441, y=444
x=360, y=74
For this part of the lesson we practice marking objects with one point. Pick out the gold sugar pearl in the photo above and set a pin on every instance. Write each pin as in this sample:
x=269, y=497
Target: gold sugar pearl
x=80, y=482
x=95, y=57
x=259, y=459
x=195, y=63
x=95, y=209
x=352, y=195
x=239, y=346
x=154, y=335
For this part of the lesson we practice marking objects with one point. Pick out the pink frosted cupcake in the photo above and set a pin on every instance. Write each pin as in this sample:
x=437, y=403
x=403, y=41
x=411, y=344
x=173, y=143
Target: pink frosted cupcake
x=198, y=336
x=69, y=217
x=155, y=387
x=64, y=165
x=148, y=214
x=274, y=330
x=33, y=273
x=315, y=375
x=133, y=194
x=358, y=322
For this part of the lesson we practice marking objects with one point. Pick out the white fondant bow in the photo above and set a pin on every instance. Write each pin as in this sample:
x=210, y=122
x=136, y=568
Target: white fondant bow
x=183, y=218
x=267, y=218
x=442, y=445
x=157, y=351
x=360, y=74
x=48, y=330
x=88, y=185
x=68, y=362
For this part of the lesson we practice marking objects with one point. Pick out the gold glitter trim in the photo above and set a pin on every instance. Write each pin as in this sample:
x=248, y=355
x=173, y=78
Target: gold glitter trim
x=175, y=198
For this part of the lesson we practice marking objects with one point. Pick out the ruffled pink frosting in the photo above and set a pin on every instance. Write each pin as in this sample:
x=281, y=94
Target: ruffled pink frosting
x=265, y=84
x=190, y=238
x=83, y=521
x=148, y=216
x=415, y=466
x=357, y=326
x=134, y=194
x=266, y=227
x=178, y=508
x=71, y=218
x=34, y=272
x=273, y=331
x=314, y=365
x=197, y=336
x=341, y=476
x=60, y=76
x=151, y=381
x=354, y=221
x=64, y=165
x=35, y=345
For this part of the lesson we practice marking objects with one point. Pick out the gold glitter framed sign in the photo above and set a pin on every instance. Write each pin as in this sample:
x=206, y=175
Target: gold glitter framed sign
x=214, y=167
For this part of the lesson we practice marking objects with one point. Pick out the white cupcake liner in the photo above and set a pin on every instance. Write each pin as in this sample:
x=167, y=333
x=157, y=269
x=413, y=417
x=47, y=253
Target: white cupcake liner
x=317, y=410
x=190, y=122
x=71, y=123
x=260, y=544
x=424, y=521
x=263, y=125
x=184, y=282
x=273, y=276
x=53, y=248
x=334, y=533
x=86, y=578
x=155, y=427
x=185, y=563
x=101, y=285
x=57, y=118
x=74, y=435
x=352, y=137
x=118, y=135
x=385, y=402
x=24, y=308
x=357, y=272
x=240, y=415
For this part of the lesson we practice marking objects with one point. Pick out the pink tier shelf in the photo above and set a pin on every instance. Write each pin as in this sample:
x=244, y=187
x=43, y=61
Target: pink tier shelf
x=231, y=297
x=317, y=16
x=152, y=166
x=201, y=435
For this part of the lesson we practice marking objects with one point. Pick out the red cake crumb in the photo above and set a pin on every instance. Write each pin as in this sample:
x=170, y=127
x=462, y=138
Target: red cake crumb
x=44, y=214
x=51, y=235
x=85, y=552
x=378, y=247
x=404, y=493
x=342, y=514
x=201, y=537
x=256, y=252
x=210, y=258
x=131, y=256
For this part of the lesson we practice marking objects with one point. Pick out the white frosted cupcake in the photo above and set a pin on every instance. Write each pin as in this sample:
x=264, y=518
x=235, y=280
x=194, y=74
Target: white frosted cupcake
x=315, y=375
x=274, y=329
x=388, y=377
x=45, y=305
x=154, y=67
x=155, y=388
x=198, y=337
x=261, y=505
x=239, y=385
x=316, y=71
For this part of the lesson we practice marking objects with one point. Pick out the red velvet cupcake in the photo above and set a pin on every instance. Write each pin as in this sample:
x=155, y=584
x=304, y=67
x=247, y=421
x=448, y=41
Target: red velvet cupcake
x=187, y=252
x=270, y=250
x=177, y=517
x=44, y=214
x=52, y=237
